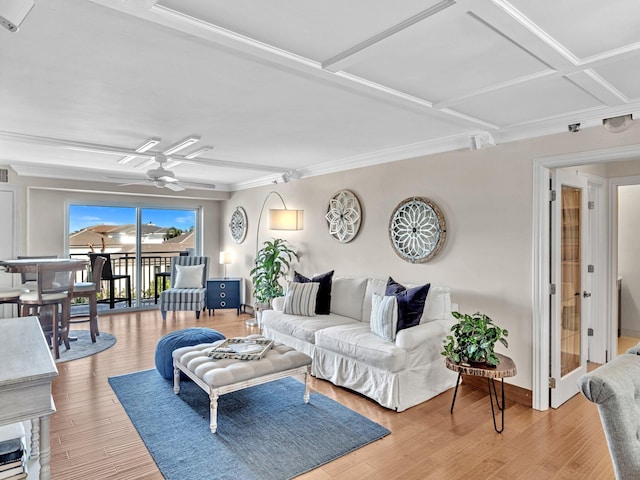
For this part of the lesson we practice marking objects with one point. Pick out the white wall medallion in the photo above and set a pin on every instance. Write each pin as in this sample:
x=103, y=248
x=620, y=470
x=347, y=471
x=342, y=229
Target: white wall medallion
x=344, y=216
x=238, y=225
x=417, y=229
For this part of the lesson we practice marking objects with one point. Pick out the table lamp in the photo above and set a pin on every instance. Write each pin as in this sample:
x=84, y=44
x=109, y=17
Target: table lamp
x=225, y=259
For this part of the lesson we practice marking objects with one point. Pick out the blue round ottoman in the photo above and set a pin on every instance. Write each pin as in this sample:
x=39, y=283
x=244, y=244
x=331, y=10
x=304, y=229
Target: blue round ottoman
x=181, y=338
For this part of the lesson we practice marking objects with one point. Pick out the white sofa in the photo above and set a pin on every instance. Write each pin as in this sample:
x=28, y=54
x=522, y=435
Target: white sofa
x=345, y=351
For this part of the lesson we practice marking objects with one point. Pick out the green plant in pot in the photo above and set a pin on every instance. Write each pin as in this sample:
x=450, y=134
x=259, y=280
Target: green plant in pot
x=473, y=339
x=272, y=263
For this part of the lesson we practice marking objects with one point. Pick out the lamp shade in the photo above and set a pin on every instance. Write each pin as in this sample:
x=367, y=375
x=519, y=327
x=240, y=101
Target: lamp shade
x=284, y=219
x=225, y=258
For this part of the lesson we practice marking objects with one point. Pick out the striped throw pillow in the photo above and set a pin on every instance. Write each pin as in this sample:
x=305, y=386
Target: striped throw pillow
x=384, y=316
x=300, y=298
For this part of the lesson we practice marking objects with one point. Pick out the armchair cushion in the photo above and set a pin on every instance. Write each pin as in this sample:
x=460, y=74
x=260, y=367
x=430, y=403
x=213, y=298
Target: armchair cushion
x=188, y=276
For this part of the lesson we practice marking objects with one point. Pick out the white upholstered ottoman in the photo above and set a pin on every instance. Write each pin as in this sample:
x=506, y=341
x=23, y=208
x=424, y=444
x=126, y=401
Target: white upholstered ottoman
x=220, y=376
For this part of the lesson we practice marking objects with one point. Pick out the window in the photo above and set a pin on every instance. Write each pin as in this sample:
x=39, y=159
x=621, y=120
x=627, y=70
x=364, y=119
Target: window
x=140, y=241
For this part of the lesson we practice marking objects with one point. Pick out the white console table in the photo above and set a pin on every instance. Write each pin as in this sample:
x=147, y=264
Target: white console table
x=25, y=383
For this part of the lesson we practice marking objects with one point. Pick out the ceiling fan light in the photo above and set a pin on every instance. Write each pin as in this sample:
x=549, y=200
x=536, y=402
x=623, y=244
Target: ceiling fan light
x=200, y=151
x=126, y=159
x=150, y=143
x=184, y=143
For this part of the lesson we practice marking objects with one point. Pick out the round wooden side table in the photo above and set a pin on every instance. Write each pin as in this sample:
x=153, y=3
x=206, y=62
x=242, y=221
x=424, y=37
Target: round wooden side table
x=506, y=368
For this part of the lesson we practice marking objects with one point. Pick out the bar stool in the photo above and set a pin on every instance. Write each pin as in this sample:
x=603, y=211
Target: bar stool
x=11, y=295
x=29, y=280
x=55, y=288
x=90, y=290
x=110, y=277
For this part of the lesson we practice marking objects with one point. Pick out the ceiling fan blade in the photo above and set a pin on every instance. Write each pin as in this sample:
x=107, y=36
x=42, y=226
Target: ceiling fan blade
x=132, y=183
x=174, y=186
x=209, y=186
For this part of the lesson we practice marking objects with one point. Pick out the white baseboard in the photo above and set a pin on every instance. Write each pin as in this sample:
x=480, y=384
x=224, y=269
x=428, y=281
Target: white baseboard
x=630, y=333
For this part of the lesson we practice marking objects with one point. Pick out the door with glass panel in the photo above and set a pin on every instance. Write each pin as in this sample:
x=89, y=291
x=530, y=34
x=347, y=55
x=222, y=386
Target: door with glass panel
x=571, y=300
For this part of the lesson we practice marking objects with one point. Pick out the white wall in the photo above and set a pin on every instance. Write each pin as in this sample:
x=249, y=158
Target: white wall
x=487, y=199
x=629, y=257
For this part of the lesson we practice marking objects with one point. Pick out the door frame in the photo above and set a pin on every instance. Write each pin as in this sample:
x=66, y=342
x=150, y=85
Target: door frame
x=541, y=254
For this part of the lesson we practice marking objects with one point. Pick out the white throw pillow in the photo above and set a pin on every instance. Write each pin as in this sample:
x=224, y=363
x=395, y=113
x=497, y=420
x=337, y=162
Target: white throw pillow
x=384, y=316
x=188, y=276
x=438, y=305
x=300, y=298
x=347, y=294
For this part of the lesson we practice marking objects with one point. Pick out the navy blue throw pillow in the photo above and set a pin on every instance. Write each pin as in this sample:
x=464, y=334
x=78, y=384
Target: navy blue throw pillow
x=410, y=302
x=323, y=300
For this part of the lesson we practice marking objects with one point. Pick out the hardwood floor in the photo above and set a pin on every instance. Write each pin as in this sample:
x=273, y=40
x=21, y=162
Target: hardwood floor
x=92, y=437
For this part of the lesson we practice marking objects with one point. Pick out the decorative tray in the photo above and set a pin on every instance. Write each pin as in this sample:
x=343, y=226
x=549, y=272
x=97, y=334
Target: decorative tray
x=242, y=349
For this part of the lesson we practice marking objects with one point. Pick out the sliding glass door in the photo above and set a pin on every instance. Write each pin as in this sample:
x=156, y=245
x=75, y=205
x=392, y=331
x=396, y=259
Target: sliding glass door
x=139, y=243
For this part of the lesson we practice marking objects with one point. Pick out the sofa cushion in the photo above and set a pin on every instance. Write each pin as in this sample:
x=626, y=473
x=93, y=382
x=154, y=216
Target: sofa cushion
x=323, y=302
x=302, y=328
x=438, y=305
x=384, y=316
x=357, y=341
x=374, y=285
x=410, y=302
x=300, y=298
x=347, y=294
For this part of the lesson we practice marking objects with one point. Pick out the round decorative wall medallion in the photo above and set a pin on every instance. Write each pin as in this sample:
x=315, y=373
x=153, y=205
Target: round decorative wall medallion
x=417, y=229
x=344, y=216
x=238, y=225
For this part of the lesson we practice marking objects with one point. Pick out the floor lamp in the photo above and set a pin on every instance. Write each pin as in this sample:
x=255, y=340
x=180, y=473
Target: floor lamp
x=279, y=219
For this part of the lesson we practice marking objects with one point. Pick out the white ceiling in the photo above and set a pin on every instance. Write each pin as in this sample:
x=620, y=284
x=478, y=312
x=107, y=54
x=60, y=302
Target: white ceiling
x=302, y=85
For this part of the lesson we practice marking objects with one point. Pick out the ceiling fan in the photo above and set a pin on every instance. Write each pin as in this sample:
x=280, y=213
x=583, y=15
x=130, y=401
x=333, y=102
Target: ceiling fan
x=163, y=178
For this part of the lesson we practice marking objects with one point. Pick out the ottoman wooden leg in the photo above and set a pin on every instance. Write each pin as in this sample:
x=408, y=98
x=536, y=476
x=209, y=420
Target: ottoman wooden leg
x=176, y=380
x=213, y=406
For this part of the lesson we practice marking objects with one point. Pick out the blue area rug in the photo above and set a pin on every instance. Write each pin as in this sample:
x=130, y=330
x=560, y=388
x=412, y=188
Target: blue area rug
x=265, y=432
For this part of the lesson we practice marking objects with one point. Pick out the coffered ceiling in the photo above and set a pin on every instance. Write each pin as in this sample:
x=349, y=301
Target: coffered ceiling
x=298, y=87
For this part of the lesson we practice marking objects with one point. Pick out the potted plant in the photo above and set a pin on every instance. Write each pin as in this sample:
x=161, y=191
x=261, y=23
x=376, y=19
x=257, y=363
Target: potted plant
x=272, y=263
x=473, y=339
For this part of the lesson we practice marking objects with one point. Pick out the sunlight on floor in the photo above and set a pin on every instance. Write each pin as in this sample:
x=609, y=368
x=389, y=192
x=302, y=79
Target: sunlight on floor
x=625, y=343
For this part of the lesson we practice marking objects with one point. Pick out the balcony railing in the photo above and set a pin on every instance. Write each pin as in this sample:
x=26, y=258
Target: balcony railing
x=151, y=263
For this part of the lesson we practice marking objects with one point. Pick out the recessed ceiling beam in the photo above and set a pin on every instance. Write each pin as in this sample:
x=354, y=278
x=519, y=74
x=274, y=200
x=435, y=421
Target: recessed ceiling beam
x=348, y=57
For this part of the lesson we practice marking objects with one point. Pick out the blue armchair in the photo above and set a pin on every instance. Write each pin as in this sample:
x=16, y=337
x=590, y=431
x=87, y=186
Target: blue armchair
x=188, y=286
